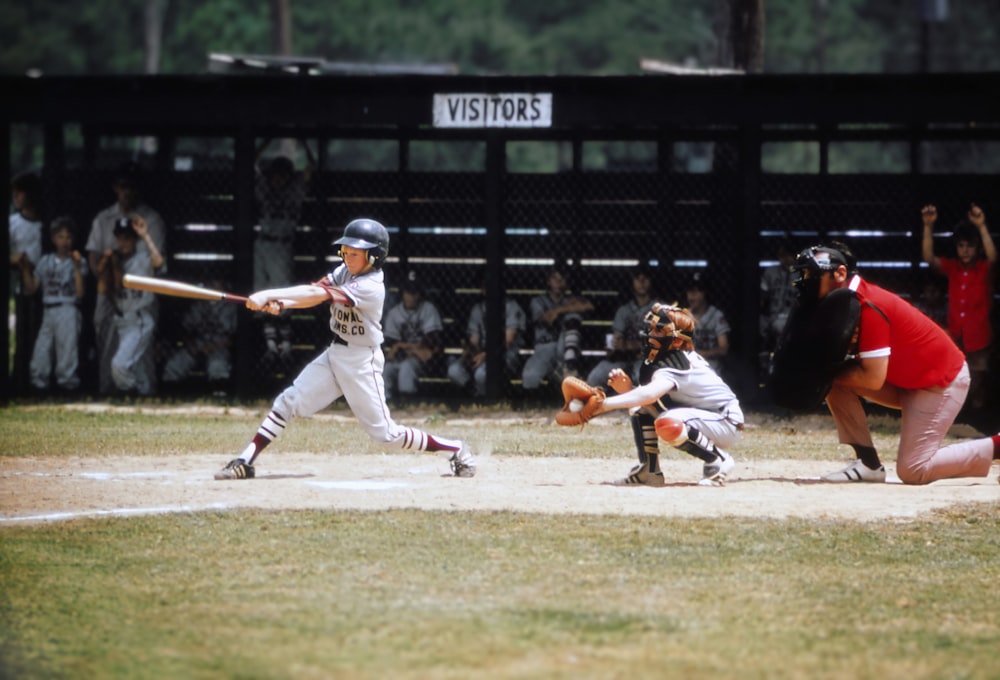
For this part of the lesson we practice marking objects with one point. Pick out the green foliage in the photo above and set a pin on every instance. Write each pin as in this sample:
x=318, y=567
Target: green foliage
x=498, y=36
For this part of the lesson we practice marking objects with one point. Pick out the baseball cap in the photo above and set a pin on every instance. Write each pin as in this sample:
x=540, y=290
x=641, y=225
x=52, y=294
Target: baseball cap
x=697, y=281
x=411, y=283
x=123, y=227
x=127, y=175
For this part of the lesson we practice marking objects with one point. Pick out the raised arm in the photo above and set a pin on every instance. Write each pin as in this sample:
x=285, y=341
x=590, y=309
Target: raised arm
x=978, y=218
x=929, y=216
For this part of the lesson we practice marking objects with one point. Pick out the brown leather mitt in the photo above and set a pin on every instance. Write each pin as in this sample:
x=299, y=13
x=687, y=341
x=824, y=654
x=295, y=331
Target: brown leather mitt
x=577, y=392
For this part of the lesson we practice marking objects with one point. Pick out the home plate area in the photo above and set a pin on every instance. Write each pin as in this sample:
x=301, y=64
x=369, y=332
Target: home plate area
x=41, y=489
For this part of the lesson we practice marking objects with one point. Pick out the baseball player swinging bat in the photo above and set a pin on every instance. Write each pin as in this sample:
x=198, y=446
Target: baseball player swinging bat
x=179, y=289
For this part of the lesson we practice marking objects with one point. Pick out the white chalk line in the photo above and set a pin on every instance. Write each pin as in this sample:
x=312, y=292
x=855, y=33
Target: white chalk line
x=117, y=512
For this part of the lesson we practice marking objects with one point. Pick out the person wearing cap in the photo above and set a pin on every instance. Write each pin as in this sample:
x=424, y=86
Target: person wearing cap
x=412, y=343
x=558, y=320
x=624, y=343
x=711, y=330
x=134, y=318
x=904, y=361
x=280, y=192
x=129, y=203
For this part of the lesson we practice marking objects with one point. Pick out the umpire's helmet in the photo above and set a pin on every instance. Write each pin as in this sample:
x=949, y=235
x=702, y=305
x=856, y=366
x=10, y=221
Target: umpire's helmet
x=367, y=235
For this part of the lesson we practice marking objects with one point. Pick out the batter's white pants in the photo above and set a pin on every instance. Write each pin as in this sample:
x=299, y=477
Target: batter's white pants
x=354, y=373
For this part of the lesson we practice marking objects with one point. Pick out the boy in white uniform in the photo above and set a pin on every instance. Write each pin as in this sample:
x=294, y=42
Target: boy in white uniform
x=351, y=367
x=134, y=319
x=60, y=276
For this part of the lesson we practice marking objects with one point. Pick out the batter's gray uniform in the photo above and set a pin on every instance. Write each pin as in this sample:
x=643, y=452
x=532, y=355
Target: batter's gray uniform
x=408, y=325
x=59, y=335
x=351, y=367
x=461, y=373
x=101, y=239
x=628, y=321
x=547, y=355
x=134, y=325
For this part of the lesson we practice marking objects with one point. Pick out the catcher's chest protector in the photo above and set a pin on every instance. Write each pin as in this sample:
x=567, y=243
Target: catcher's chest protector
x=814, y=345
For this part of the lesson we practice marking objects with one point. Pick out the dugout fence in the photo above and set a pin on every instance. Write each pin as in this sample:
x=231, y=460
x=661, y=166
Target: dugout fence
x=593, y=175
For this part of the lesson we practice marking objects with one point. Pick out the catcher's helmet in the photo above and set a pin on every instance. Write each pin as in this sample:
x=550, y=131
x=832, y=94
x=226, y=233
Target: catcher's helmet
x=367, y=235
x=666, y=327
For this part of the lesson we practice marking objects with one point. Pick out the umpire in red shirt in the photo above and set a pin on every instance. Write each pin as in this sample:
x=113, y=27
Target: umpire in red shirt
x=902, y=360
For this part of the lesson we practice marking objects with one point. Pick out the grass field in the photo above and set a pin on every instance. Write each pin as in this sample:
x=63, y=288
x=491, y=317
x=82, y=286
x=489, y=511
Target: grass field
x=406, y=593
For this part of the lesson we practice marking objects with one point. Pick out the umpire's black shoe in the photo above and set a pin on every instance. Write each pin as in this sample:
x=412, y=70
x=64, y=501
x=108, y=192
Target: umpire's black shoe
x=237, y=468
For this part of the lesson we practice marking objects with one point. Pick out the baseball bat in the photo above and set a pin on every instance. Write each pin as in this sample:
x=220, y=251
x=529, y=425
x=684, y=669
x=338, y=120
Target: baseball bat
x=178, y=289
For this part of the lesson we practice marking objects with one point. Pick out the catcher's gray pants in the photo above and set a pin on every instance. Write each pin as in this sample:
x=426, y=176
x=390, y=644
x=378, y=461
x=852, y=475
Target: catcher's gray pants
x=927, y=414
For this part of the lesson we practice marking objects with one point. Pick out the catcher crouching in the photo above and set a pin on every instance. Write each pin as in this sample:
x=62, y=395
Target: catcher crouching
x=679, y=400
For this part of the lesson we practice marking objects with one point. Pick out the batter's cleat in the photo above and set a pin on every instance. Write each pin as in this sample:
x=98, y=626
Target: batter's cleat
x=640, y=476
x=714, y=473
x=462, y=462
x=237, y=468
x=856, y=472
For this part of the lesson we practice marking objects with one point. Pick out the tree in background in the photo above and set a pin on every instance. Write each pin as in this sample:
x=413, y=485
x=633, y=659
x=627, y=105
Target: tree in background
x=519, y=37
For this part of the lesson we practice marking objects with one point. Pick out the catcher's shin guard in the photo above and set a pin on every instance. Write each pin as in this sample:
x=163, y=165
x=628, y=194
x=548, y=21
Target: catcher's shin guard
x=699, y=446
x=688, y=439
x=646, y=443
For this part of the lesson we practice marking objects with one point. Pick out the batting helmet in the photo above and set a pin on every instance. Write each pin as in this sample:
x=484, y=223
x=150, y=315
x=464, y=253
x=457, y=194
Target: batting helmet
x=367, y=235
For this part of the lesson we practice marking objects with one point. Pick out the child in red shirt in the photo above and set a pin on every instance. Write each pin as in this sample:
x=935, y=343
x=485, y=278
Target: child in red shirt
x=970, y=290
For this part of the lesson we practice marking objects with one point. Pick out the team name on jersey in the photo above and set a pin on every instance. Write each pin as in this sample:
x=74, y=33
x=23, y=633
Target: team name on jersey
x=347, y=322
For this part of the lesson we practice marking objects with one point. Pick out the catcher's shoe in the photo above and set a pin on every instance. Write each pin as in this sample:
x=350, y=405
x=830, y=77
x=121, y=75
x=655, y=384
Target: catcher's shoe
x=237, y=468
x=714, y=473
x=462, y=462
x=856, y=472
x=640, y=476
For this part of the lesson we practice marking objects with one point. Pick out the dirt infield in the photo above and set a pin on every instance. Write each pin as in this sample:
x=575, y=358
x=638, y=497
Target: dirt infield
x=44, y=490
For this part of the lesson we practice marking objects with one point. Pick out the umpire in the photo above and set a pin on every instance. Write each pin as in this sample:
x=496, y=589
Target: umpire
x=899, y=359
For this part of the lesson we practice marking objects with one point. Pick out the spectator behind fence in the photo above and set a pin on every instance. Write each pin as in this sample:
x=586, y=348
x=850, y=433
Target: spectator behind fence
x=468, y=370
x=209, y=328
x=24, y=227
x=280, y=193
x=932, y=300
x=777, y=294
x=711, y=330
x=412, y=344
x=59, y=275
x=970, y=290
x=557, y=319
x=102, y=239
x=624, y=344
x=134, y=316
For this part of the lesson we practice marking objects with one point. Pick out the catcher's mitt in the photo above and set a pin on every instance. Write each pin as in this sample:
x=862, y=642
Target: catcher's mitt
x=578, y=395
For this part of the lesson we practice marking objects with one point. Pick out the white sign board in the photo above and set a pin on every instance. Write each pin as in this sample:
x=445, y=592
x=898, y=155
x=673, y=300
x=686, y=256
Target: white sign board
x=501, y=110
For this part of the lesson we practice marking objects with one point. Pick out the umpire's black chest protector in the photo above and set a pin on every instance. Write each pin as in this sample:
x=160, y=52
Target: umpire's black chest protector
x=814, y=345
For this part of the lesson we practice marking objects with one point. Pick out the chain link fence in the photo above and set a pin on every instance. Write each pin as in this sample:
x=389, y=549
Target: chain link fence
x=596, y=209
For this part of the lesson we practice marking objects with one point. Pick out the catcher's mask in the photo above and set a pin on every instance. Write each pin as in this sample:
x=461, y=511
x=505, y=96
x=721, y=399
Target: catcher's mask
x=810, y=264
x=660, y=332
